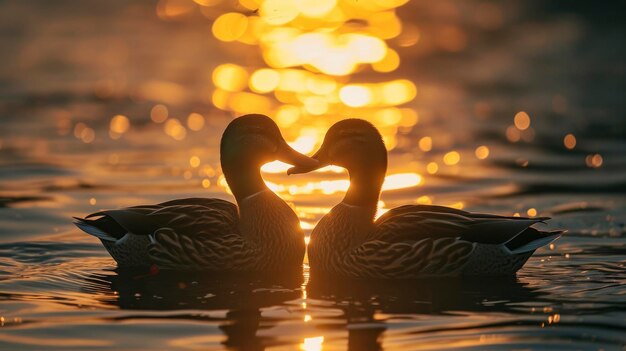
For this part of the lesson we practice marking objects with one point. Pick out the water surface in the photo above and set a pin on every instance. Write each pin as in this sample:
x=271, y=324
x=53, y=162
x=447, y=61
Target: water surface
x=71, y=67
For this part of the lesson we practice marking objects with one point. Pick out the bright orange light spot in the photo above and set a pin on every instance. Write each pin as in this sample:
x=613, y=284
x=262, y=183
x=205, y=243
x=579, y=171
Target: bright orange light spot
x=159, y=113
x=312, y=344
x=401, y=181
x=424, y=200
x=305, y=143
x=277, y=12
x=292, y=80
x=398, y=92
x=389, y=116
x=334, y=186
x=220, y=99
x=389, y=63
x=458, y=205
x=287, y=115
x=321, y=85
x=451, y=158
x=355, y=95
x=221, y=181
x=366, y=48
x=380, y=210
x=306, y=225
x=311, y=49
x=522, y=120
x=230, y=77
x=230, y=26
x=482, y=152
x=426, y=143
x=315, y=8
x=195, y=121
x=432, y=168
x=194, y=161
x=315, y=105
x=409, y=117
x=244, y=102
x=532, y=212
x=92, y=201
x=174, y=129
x=119, y=124
x=206, y=183
x=264, y=80
x=594, y=161
x=569, y=141
x=275, y=167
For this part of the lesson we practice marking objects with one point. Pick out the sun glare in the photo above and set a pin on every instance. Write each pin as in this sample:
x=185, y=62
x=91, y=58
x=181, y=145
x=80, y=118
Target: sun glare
x=312, y=51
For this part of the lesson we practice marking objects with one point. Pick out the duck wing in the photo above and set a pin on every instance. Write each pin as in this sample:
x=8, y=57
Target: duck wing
x=417, y=222
x=184, y=233
x=419, y=240
x=407, y=259
x=183, y=214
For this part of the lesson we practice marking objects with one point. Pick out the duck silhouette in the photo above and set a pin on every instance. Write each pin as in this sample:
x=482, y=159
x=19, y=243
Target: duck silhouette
x=262, y=233
x=409, y=241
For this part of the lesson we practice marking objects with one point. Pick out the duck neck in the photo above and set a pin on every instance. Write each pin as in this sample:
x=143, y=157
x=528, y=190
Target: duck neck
x=365, y=186
x=243, y=179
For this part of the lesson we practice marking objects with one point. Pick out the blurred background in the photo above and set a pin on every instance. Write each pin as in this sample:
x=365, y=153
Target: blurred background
x=509, y=107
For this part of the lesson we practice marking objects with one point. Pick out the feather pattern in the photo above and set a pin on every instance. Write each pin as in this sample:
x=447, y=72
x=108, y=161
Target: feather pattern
x=199, y=233
x=417, y=241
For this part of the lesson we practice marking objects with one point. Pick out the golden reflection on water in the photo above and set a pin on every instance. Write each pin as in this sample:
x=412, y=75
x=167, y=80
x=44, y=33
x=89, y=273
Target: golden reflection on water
x=312, y=51
x=319, y=62
x=312, y=344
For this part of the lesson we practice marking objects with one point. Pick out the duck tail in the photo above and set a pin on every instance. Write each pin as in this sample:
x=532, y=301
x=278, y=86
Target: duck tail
x=97, y=229
x=531, y=239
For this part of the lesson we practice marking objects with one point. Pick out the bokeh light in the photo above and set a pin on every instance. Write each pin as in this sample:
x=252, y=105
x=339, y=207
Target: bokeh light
x=312, y=54
x=569, y=141
x=522, y=120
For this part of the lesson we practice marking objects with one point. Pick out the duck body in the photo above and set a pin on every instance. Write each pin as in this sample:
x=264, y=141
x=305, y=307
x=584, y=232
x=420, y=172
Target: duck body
x=411, y=241
x=417, y=241
x=262, y=233
x=202, y=233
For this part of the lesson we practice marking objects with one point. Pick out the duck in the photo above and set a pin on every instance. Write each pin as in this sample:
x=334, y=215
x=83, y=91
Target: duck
x=261, y=233
x=410, y=241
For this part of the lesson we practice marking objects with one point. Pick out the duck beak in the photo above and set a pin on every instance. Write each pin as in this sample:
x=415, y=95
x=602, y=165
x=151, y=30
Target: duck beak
x=288, y=155
x=319, y=157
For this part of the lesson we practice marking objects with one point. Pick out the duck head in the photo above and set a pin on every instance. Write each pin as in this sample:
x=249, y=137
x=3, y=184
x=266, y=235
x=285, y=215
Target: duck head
x=353, y=144
x=357, y=146
x=249, y=142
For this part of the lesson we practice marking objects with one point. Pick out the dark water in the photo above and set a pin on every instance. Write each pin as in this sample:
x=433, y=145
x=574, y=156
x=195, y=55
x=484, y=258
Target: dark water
x=66, y=63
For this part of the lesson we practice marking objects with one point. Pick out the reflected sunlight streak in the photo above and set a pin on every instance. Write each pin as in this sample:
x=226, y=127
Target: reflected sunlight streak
x=312, y=344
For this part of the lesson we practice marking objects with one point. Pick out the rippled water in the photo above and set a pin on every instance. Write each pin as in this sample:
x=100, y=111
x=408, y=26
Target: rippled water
x=60, y=289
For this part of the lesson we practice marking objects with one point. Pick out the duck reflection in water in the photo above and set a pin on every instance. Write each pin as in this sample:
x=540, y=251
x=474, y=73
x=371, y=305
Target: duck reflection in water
x=242, y=296
x=363, y=302
x=362, y=299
